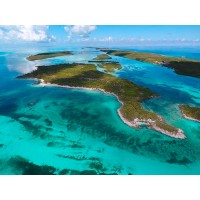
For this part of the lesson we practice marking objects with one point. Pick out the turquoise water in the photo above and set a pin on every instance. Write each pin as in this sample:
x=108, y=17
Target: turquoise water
x=50, y=130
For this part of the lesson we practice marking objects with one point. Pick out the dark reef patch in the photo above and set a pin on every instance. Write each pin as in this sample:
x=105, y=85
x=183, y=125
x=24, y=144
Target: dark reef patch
x=24, y=167
x=48, y=122
x=75, y=145
x=76, y=172
x=78, y=158
x=7, y=109
x=97, y=166
x=55, y=144
x=175, y=160
x=36, y=130
x=48, y=129
x=84, y=172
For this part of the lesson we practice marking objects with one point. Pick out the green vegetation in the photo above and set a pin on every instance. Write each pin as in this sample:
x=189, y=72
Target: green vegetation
x=192, y=113
x=181, y=66
x=41, y=56
x=110, y=67
x=102, y=57
x=87, y=76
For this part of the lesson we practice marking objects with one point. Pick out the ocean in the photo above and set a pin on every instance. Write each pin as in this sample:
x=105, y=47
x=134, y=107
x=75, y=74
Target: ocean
x=52, y=130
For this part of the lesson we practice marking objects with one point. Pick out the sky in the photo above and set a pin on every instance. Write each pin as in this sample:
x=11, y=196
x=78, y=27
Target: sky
x=120, y=35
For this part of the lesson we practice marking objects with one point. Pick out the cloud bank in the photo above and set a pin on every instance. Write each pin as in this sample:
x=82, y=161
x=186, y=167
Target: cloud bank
x=79, y=31
x=25, y=33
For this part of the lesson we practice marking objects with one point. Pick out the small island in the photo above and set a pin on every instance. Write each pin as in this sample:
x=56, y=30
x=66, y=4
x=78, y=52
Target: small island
x=130, y=95
x=110, y=67
x=191, y=113
x=41, y=56
x=102, y=57
x=182, y=66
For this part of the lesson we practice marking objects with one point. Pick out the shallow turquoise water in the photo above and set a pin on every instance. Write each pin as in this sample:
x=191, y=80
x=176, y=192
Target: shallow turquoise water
x=49, y=130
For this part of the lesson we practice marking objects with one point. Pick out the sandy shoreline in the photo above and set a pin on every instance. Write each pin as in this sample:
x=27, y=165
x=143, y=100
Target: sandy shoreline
x=151, y=124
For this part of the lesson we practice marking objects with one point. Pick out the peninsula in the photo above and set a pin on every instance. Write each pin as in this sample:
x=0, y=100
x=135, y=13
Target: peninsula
x=181, y=66
x=192, y=113
x=41, y=56
x=130, y=95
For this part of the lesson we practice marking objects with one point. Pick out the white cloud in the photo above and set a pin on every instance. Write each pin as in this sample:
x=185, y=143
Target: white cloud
x=82, y=40
x=141, y=39
x=79, y=31
x=106, y=39
x=25, y=33
x=20, y=65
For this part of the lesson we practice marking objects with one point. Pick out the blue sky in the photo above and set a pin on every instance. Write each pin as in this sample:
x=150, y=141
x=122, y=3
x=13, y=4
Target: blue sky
x=137, y=31
x=102, y=35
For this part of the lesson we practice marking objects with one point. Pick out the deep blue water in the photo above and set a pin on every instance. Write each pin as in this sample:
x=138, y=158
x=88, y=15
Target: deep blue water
x=49, y=130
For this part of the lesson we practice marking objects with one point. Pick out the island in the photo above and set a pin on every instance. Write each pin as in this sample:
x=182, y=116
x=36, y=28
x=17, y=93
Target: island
x=182, y=66
x=102, y=57
x=110, y=67
x=191, y=113
x=87, y=77
x=41, y=56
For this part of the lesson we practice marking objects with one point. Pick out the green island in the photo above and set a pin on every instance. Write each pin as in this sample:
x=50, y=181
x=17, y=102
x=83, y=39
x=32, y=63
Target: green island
x=110, y=67
x=192, y=113
x=41, y=56
x=181, y=66
x=102, y=57
x=130, y=95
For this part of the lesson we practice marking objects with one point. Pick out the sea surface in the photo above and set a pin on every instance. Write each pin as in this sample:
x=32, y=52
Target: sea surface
x=52, y=130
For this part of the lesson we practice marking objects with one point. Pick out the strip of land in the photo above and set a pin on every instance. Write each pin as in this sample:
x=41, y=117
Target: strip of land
x=181, y=66
x=192, y=113
x=100, y=61
x=130, y=95
x=41, y=56
x=102, y=57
